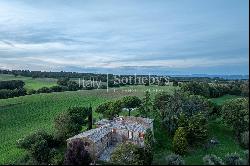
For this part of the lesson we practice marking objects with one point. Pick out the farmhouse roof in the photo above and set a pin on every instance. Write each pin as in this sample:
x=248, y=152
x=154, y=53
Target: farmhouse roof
x=94, y=134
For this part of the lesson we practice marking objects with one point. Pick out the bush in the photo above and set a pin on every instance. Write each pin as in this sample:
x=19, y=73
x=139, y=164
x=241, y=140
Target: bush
x=197, y=129
x=212, y=160
x=56, y=88
x=128, y=154
x=56, y=157
x=44, y=90
x=235, y=113
x=246, y=152
x=174, y=159
x=180, y=142
x=244, y=140
x=233, y=159
x=69, y=123
x=31, y=91
x=39, y=145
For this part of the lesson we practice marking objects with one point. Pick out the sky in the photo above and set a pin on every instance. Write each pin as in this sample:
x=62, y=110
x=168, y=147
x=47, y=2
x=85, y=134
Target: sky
x=126, y=37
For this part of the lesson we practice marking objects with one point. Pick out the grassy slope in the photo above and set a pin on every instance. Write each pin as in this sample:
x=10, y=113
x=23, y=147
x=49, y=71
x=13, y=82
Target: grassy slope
x=22, y=115
x=222, y=99
x=217, y=130
x=30, y=83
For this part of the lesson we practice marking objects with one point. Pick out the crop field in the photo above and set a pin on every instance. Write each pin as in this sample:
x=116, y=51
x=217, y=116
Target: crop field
x=21, y=115
x=30, y=83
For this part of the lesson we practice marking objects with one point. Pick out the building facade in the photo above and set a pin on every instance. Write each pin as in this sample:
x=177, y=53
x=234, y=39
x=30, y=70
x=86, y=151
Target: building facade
x=109, y=133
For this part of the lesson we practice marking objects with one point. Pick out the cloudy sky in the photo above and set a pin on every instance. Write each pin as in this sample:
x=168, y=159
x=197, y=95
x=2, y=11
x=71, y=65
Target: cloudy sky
x=129, y=36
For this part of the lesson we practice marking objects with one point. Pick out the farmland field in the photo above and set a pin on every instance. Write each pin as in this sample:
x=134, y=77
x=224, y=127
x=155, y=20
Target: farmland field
x=22, y=115
x=30, y=83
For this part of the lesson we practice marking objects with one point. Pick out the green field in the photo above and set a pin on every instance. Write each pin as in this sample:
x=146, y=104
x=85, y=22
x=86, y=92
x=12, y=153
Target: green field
x=30, y=83
x=222, y=99
x=22, y=115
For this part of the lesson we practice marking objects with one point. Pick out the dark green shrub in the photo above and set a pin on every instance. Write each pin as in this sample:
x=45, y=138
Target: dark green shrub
x=235, y=113
x=233, y=159
x=244, y=140
x=69, y=123
x=246, y=153
x=174, y=159
x=212, y=160
x=197, y=129
x=39, y=145
x=44, y=90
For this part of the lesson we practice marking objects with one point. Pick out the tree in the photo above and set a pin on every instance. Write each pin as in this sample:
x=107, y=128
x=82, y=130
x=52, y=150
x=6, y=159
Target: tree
x=194, y=104
x=12, y=84
x=38, y=145
x=76, y=154
x=103, y=107
x=212, y=160
x=235, y=113
x=197, y=129
x=131, y=102
x=175, y=83
x=90, y=118
x=245, y=89
x=72, y=86
x=196, y=88
x=63, y=81
x=69, y=123
x=180, y=142
x=148, y=147
x=170, y=107
x=110, y=109
x=146, y=106
x=174, y=159
x=128, y=154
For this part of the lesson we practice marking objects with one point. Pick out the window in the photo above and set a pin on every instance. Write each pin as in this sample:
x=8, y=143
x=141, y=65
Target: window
x=86, y=144
x=141, y=135
x=113, y=130
x=130, y=135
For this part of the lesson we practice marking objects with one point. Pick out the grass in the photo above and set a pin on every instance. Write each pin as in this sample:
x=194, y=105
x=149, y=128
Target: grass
x=227, y=144
x=30, y=83
x=22, y=115
x=222, y=99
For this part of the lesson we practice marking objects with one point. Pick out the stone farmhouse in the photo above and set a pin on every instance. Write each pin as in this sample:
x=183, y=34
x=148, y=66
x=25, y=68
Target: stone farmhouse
x=101, y=141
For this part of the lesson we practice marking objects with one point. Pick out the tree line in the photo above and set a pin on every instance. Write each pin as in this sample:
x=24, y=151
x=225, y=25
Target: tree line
x=13, y=88
x=217, y=89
